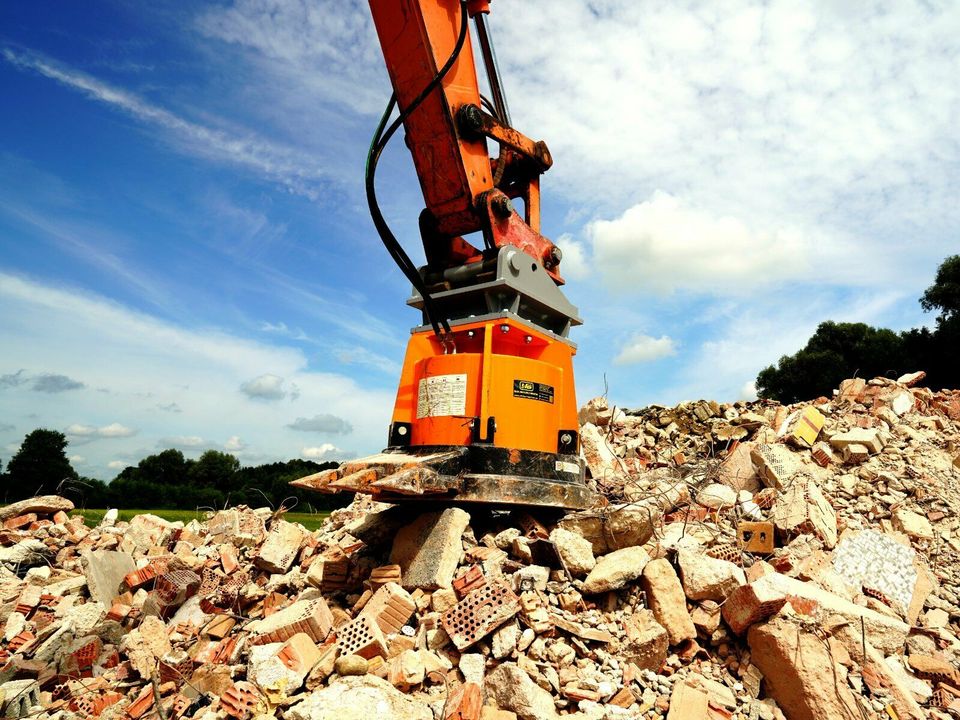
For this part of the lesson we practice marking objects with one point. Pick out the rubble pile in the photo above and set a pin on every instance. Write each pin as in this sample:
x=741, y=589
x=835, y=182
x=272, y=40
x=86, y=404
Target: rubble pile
x=748, y=561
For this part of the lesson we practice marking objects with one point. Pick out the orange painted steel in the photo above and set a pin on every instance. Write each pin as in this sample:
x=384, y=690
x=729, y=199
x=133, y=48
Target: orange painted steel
x=417, y=36
x=481, y=382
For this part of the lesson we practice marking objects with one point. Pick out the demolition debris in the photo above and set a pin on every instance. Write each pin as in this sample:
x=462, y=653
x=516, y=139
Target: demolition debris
x=746, y=561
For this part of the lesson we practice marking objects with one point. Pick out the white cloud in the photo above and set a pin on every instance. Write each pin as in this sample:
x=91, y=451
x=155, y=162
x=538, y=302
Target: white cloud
x=324, y=423
x=663, y=244
x=322, y=453
x=90, y=432
x=234, y=444
x=644, y=348
x=748, y=391
x=264, y=387
x=77, y=459
x=182, y=442
x=286, y=165
x=575, y=264
x=139, y=356
x=117, y=464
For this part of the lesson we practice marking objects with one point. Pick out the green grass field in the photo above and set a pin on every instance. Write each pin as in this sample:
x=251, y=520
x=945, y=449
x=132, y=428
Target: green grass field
x=311, y=521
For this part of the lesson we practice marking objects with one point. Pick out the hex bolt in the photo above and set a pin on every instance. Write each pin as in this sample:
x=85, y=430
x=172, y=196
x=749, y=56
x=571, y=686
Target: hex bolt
x=528, y=339
x=504, y=328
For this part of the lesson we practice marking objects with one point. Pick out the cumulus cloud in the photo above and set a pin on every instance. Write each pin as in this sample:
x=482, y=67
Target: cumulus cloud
x=116, y=465
x=13, y=379
x=264, y=387
x=748, y=391
x=55, y=384
x=664, y=244
x=45, y=383
x=322, y=453
x=91, y=432
x=325, y=423
x=183, y=442
x=234, y=444
x=644, y=348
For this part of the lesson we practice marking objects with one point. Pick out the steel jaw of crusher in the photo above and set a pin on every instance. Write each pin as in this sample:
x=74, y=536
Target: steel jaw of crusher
x=461, y=474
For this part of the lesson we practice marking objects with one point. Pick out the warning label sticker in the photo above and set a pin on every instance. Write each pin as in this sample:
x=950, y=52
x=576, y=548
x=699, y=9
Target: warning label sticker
x=442, y=395
x=533, y=391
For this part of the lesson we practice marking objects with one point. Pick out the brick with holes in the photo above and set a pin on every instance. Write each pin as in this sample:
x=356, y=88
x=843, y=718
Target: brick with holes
x=480, y=613
x=312, y=617
x=390, y=608
x=384, y=574
x=362, y=637
x=752, y=603
x=756, y=537
x=242, y=701
x=173, y=588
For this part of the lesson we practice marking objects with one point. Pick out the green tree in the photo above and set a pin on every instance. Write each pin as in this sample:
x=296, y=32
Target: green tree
x=944, y=294
x=835, y=352
x=215, y=470
x=40, y=466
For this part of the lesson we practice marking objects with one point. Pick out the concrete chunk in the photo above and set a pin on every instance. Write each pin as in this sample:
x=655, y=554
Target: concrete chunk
x=666, y=599
x=429, y=549
x=619, y=526
x=707, y=578
x=105, y=570
x=615, y=570
x=868, y=437
x=575, y=551
x=799, y=672
x=513, y=690
x=281, y=547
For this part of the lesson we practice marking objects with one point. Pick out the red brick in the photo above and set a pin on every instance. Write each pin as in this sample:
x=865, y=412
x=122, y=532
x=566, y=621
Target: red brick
x=242, y=700
x=750, y=604
x=362, y=637
x=480, y=613
x=470, y=579
x=390, y=608
x=312, y=617
x=20, y=521
x=299, y=653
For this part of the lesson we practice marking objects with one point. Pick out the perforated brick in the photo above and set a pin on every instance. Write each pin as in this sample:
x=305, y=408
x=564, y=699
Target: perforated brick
x=390, y=608
x=242, y=700
x=312, y=617
x=728, y=552
x=756, y=537
x=384, y=574
x=362, y=637
x=480, y=613
x=173, y=588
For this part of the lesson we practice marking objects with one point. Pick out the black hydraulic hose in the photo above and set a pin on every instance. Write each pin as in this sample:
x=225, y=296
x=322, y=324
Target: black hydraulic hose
x=377, y=145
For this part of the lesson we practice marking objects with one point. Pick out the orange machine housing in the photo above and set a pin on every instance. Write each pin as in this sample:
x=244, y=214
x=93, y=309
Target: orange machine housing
x=507, y=384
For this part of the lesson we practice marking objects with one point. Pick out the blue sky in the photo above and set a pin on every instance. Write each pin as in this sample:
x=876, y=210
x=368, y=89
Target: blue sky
x=186, y=258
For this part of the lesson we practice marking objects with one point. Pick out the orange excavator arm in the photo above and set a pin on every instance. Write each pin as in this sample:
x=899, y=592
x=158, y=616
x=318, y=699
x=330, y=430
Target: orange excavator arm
x=465, y=191
x=486, y=408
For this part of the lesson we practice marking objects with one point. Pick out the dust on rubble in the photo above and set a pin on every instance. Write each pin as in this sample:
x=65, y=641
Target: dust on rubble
x=747, y=561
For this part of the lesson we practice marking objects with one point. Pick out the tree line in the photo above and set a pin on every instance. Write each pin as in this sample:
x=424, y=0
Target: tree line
x=837, y=351
x=166, y=480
